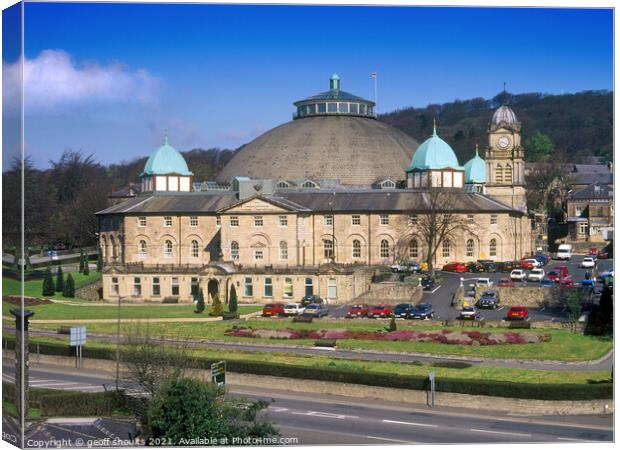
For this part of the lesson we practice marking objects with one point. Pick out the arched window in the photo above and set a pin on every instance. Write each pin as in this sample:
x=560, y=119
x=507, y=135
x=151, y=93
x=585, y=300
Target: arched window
x=508, y=174
x=104, y=249
x=168, y=249
x=499, y=175
x=114, y=248
x=445, y=249
x=357, y=249
x=384, y=249
x=195, y=249
x=308, y=184
x=283, y=250
x=470, y=247
x=142, y=249
x=234, y=250
x=413, y=248
x=328, y=249
x=493, y=247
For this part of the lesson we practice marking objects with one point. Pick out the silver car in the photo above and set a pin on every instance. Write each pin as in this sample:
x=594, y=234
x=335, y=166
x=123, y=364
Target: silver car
x=316, y=310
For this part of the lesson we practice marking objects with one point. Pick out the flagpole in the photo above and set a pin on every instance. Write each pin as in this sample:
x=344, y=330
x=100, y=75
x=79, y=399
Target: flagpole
x=374, y=77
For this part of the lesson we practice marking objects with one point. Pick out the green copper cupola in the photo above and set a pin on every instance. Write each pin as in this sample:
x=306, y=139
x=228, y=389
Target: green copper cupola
x=334, y=83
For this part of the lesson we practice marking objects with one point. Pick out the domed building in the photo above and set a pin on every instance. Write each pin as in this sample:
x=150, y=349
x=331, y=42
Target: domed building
x=475, y=173
x=334, y=136
x=166, y=170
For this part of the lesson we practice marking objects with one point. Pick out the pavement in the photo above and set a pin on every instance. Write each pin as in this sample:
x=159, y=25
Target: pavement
x=314, y=419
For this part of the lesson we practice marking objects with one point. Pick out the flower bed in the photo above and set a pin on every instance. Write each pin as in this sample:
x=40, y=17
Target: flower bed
x=439, y=337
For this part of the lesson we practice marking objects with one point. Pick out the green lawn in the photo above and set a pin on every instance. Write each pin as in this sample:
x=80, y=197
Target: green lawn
x=11, y=409
x=564, y=346
x=34, y=288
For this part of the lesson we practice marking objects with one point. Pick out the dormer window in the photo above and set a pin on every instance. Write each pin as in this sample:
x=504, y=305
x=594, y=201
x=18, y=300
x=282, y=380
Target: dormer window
x=387, y=184
x=309, y=184
x=283, y=185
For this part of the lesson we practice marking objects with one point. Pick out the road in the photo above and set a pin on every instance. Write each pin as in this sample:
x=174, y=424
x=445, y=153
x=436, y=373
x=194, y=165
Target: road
x=314, y=419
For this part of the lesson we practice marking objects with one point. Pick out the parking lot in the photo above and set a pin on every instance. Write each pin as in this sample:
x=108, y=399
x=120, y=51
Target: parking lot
x=441, y=296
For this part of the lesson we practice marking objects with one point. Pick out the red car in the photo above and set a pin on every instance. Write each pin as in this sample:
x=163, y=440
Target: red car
x=554, y=276
x=273, y=309
x=455, y=267
x=562, y=270
x=566, y=283
x=380, y=311
x=358, y=311
x=518, y=312
x=505, y=282
x=594, y=251
x=528, y=263
x=602, y=254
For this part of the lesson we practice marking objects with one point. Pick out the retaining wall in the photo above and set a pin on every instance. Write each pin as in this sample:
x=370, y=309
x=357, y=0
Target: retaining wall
x=391, y=293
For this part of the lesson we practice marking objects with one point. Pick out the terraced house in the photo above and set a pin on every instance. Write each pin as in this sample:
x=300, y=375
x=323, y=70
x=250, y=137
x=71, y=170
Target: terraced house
x=313, y=207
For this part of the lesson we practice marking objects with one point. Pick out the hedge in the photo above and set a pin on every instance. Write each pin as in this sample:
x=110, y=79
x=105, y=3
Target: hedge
x=417, y=382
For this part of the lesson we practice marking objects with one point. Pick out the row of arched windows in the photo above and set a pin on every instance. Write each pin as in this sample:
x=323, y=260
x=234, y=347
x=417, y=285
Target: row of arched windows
x=168, y=249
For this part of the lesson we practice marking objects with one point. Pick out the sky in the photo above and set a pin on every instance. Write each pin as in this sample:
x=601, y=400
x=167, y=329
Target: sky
x=111, y=79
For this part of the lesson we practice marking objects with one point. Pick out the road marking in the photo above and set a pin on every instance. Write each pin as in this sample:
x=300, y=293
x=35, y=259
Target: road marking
x=59, y=383
x=410, y=423
x=570, y=439
x=325, y=415
x=391, y=440
x=435, y=290
x=277, y=409
x=500, y=432
x=499, y=309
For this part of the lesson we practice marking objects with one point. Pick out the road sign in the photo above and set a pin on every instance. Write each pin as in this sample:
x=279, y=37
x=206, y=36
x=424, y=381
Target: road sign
x=52, y=254
x=78, y=336
x=218, y=373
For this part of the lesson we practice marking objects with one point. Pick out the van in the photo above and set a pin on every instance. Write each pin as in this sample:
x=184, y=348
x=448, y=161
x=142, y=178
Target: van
x=564, y=252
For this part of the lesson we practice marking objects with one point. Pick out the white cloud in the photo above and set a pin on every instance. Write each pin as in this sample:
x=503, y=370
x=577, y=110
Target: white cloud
x=53, y=81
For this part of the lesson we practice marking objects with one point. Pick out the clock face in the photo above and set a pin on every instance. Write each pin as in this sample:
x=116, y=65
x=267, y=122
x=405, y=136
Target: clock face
x=504, y=142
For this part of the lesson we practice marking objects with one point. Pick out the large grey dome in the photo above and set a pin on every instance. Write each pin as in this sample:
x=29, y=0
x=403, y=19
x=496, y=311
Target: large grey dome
x=504, y=114
x=353, y=150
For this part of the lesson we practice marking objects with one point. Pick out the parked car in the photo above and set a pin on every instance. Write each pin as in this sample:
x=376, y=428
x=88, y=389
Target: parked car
x=566, y=283
x=293, y=309
x=488, y=265
x=588, y=283
x=315, y=310
x=406, y=267
x=562, y=270
x=309, y=299
x=402, y=310
x=554, y=276
x=518, y=312
x=473, y=267
x=422, y=311
x=508, y=266
x=505, y=282
x=427, y=283
x=517, y=275
x=273, y=309
x=536, y=275
x=484, y=282
x=488, y=299
x=380, y=311
x=529, y=263
x=542, y=259
x=593, y=252
x=587, y=262
x=546, y=282
x=455, y=267
x=602, y=254
x=357, y=311
x=469, y=313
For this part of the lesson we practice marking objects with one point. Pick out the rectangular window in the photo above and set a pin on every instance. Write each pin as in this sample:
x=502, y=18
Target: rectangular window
x=248, y=290
x=137, y=287
x=493, y=219
x=168, y=221
x=356, y=220
x=141, y=221
x=321, y=107
x=156, y=287
x=332, y=107
x=332, y=290
x=283, y=221
x=343, y=107
x=583, y=227
x=354, y=108
x=218, y=221
x=470, y=218
x=175, y=286
x=259, y=254
x=288, y=287
x=193, y=221
x=413, y=219
x=258, y=221
x=384, y=219
x=194, y=286
x=328, y=220
x=268, y=287
x=234, y=221
x=115, y=289
x=308, y=287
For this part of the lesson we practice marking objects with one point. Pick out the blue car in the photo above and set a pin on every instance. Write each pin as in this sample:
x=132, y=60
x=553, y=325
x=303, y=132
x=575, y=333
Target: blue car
x=541, y=259
x=546, y=282
x=588, y=284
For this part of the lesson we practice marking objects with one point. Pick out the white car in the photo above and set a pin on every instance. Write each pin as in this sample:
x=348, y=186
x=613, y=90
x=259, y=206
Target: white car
x=293, y=309
x=536, y=275
x=484, y=282
x=517, y=274
x=532, y=261
x=588, y=262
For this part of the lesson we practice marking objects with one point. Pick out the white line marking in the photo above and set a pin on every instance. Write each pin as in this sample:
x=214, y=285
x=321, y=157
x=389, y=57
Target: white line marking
x=435, y=290
x=569, y=439
x=277, y=409
x=500, y=432
x=54, y=384
x=325, y=415
x=391, y=440
x=410, y=423
x=499, y=309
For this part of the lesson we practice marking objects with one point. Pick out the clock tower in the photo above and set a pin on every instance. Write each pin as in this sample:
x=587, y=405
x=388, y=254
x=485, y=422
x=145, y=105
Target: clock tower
x=504, y=159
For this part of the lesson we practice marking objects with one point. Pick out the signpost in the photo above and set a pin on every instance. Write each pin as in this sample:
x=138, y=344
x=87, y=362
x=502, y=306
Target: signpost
x=218, y=373
x=53, y=254
x=78, y=339
x=431, y=376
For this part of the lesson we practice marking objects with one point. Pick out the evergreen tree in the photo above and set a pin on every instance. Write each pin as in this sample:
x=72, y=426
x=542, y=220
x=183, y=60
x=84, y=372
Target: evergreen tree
x=69, y=290
x=81, y=269
x=232, y=302
x=48, y=283
x=217, y=309
x=60, y=280
x=392, y=325
x=86, y=269
x=99, y=262
x=200, y=302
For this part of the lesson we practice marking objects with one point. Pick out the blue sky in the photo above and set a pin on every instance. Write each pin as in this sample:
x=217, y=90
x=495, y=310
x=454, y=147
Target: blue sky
x=110, y=78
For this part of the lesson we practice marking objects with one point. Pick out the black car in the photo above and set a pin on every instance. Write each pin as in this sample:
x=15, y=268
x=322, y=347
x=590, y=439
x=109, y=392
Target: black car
x=489, y=299
x=402, y=310
x=427, y=283
x=422, y=311
x=310, y=299
x=488, y=265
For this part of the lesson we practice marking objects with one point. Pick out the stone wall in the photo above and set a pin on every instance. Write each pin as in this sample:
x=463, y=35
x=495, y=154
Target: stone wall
x=92, y=291
x=529, y=296
x=391, y=293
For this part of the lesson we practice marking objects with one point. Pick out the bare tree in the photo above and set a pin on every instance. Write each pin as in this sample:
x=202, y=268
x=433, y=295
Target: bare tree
x=438, y=221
